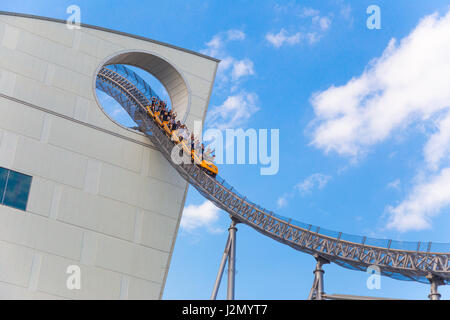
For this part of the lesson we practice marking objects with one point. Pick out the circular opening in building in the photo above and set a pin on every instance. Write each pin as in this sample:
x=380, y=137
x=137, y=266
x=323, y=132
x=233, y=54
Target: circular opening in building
x=130, y=80
x=117, y=80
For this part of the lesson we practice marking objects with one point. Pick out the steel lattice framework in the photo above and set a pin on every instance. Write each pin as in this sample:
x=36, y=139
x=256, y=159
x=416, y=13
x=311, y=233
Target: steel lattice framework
x=417, y=261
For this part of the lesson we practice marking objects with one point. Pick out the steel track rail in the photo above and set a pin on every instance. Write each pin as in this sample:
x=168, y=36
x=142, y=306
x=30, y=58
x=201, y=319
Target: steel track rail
x=399, y=264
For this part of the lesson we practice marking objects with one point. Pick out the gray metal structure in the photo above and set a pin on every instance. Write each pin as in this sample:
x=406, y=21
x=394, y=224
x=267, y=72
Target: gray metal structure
x=424, y=262
x=229, y=255
x=317, y=291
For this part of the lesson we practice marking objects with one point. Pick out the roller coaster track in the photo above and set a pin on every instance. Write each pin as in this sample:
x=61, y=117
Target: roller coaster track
x=416, y=261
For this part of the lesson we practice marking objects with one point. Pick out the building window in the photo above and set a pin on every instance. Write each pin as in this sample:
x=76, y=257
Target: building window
x=14, y=189
x=3, y=178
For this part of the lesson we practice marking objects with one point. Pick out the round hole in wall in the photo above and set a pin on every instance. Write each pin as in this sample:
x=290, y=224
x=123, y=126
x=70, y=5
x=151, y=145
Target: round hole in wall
x=110, y=97
x=122, y=75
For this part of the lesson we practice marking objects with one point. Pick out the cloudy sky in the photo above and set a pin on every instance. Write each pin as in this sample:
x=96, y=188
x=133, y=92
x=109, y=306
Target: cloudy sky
x=364, y=120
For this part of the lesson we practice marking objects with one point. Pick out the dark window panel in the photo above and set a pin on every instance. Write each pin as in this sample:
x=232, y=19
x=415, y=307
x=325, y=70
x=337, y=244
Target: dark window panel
x=3, y=177
x=17, y=190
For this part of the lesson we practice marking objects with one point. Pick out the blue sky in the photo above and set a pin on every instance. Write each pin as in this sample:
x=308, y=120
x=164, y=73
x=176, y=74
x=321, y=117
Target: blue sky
x=364, y=128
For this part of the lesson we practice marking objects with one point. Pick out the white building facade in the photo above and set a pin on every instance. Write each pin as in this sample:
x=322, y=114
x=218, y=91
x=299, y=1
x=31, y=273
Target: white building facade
x=97, y=196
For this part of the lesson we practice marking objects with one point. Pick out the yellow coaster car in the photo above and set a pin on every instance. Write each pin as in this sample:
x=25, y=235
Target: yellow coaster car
x=166, y=128
x=158, y=120
x=209, y=167
x=150, y=112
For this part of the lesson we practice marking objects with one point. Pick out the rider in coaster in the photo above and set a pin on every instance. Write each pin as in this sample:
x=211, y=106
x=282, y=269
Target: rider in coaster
x=153, y=104
x=202, y=149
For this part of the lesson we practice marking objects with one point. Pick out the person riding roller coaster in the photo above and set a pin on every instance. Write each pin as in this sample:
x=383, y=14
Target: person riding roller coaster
x=179, y=134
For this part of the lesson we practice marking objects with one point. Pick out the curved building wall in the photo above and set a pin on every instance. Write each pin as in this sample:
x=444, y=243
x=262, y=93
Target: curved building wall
x=102, y=197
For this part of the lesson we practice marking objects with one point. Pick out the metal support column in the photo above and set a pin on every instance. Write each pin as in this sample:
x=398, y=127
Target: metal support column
x=232, y=260
x=317, y=290
x=313, y=289
x=435, y=282
x=229, y=255
x=221, y=269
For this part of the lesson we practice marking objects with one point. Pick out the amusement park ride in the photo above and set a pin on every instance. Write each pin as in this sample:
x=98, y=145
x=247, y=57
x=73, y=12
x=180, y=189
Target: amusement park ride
x=424, y=262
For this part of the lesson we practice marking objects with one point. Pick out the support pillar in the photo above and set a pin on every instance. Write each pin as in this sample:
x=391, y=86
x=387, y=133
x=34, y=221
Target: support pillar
x=232, y=260
x=435, y=282
x=221, y=269
x=317, y=290
x=229, y=255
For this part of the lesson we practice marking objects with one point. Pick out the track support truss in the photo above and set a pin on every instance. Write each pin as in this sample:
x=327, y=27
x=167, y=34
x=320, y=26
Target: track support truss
x=229, y=255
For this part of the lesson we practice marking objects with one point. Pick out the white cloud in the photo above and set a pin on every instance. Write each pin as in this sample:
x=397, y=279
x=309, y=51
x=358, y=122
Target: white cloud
x=309, y=12
x=242, y=68
x=282, y=201
x=408, y=83
x=292, y=8
x=214, y=46
x=312, y=33
x=201, y=216
x=438, y=146
x=323, y=22
x=345, y=11
x=314, y=181
x=394, y=184
x=313, y=37
x=426, y=200
x=238, y=107
x=230, y=68
x=117, y=111
x=235, y=35
x=225, y=64
x=282, y=37
x=235, y=110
